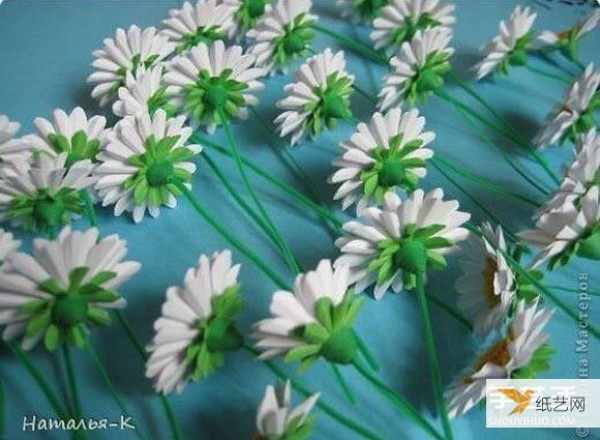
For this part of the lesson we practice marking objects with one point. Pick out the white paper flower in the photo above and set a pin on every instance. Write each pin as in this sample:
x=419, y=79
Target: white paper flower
x=418, y=69
x=575, y=116
x=205, y=22
x=282, y=35
x=128, y=52
x=361, y=10
x=522, y=353
x=42, y=193
x=387, y=246
x=8, y=246
x=401, y=19
x=387, y=154
x=208, y=81
x=143, y=93
x=319, y=97
x=196, y=324
x=277, y=419
x=567, y=41
x=63, y=287
x=509, y=48
x=145, y=158
x=11, y=147
x=246, y=13
x=487, y=286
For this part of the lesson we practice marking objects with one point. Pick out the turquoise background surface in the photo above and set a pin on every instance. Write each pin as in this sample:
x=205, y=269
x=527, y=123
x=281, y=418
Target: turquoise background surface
x=45, y=56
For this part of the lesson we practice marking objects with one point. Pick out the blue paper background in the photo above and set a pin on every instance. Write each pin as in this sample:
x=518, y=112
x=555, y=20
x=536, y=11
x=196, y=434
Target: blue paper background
x=45, y=56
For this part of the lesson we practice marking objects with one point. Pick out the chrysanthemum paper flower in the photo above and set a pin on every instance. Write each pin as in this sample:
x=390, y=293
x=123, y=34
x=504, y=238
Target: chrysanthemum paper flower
x=247, y=12
x=567, y=41
x=143, y=93
x=205, y=22
x=8, y=246
x=319, y=97
x=196, y=327
x=572, y=229
x=42, y=193
x=381, y=157
x=314, y=321
x=361, y=10
x=521, y=354
x=418, y=69
x=276, y=419
x=487, y=287
x=401, y=19
x=146, y=157
x=282, y=35
x=575, y=116
x=11, y=147
x=63, y=287
x=129, y=52
x=510, y=47
x=211, y=81
x=388, y=246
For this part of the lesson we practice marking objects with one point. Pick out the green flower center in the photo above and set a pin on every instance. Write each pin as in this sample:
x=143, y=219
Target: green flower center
x=69, y=310
x=411, y=256
x=255, y=8
x=203, y=34
x=410, y=28
x=518, y=55
x=79, y=147
x=341, y=347
x=217, y=95
x=49, y=212
x=589, y=245
x=295, y=41
x=160, y=101
x=429, y=77
x=368, y=9
x=160, y=173
x=392, y=172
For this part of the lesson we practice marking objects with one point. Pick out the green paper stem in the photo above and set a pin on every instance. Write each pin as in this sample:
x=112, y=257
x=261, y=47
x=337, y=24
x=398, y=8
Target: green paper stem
x=72, y=381
x=367, y=355
x=453, y=312
x=577, y=63
x=555, y=77
x=367, y=95
x=343, y=384
x=545, y=56
x=356, y=46
x=89, y=207
x=432, y=357
x=568, y=289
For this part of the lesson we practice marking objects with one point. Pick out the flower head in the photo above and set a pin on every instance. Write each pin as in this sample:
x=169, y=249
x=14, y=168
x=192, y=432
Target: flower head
x=567, y=41
x=63, y=287
x=511, y=46
x=522, y=353
x=282, y=35
x=145, y=160
x=42, y=193
x=400, y=20
x=418, y=69
x=9, y=146
x=318, y=98
x=361, y=10
x=313, y=321
x=381, y=157
x=8, y=246
x=276, y=419
x=388, y=246
x=129, y=52
x=196, y=326
x=205, y=22
x=211, y=82
x=247, y=12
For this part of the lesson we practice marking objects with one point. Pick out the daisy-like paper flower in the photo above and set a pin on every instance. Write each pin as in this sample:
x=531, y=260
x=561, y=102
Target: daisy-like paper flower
x=209, y=82
x=63, y=287
x=282, y=35
x=247, y=12
x=401, y=19
x=314, y=321
x=8, y=246
x=568, y=230
x=42, y=193
x=129, y=52
x=387, y=154
x=487, y=287
x=418, y=69
x=196, y=327
x=318, y=98
x=277, y=420
x=10, y=147
x=521, y=354
x=575, y=116
x=361, y=10
x=145, y=160
x=511, y=46
x=567, y=41
x=205, y=22
x=388, y=246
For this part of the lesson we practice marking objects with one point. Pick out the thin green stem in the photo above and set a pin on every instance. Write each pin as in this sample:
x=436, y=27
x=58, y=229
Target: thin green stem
x=367, y=355
x=451, y=311
x=568, y=289
x=553, y=76
x=357, y=47
x=343, y=384
x=89, y=207
x=72, y=381
x=367, y=95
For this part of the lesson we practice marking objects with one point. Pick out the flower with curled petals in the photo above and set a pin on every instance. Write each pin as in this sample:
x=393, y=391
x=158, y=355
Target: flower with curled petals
x=567, y=41
x=11, y=147
x=247, y=12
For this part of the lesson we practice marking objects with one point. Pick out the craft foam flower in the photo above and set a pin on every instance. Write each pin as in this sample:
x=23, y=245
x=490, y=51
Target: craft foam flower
x=381, y=157
x=572, y=229
x=388, y=246
x=276, y=419
x=11, y=147
x=8, y=246
x=146, y=158
x=575, y=116
x=361, y=10
x=487, y=287
x=205, y=22
x=63, y=287
x=401, y=19
x=196, y=327
x=282, y=35
x=211, y=82
x=247, y=12
x=43, y=193
x=315, y=320
x=418, y=69
x=521, y=354
x=319, y=97
x=567, y=41
x=510, y=47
